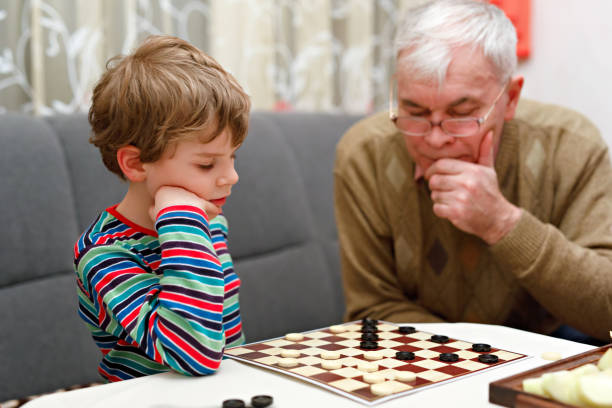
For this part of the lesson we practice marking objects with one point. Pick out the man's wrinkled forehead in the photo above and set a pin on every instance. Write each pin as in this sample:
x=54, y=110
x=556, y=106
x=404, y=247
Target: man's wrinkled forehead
x=466, y=64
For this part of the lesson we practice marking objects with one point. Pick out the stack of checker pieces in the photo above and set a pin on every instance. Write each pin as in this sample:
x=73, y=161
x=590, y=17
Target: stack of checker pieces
x=371, y=361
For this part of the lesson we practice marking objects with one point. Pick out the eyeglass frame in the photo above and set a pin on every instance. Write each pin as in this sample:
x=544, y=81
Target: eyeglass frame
x=480, y=121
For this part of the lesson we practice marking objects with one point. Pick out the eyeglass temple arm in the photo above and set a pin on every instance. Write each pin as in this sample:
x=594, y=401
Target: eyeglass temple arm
x=392, y=115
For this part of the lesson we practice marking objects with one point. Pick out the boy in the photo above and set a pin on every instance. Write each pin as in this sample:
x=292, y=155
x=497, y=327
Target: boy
x=156, y=282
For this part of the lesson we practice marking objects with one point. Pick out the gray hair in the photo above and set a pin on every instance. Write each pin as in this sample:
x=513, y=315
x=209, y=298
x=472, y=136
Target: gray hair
x=430, y=33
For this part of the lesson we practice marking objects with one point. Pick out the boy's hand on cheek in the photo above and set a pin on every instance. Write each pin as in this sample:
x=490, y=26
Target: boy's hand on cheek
x=167, y=196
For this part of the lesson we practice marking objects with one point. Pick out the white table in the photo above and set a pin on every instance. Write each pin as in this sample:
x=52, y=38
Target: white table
x=238, y=380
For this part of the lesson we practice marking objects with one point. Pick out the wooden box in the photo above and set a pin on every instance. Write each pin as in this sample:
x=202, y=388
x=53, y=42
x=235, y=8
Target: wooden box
x=509, y=391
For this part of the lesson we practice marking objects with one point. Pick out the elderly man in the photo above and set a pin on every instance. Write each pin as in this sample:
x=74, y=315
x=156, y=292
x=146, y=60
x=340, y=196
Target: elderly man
x=457, y=205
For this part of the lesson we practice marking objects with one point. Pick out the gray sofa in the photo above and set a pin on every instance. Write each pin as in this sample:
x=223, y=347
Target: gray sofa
x=52, y=185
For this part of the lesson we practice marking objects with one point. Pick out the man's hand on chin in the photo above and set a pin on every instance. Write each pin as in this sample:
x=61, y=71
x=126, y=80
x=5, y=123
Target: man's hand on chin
x=468, y=195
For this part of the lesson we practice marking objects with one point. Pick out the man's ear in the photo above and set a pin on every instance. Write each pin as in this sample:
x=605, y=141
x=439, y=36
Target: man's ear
x=128, y=158
x=514, y=93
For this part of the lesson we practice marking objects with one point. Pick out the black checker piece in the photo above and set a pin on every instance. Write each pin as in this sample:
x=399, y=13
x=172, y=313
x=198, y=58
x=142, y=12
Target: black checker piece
x=407, y=329
x=369, y=337
x=438, y=338
x=234, y=403
x=368, y=345
x=404, y=355
x=369, y=329
x=488, y=358
x=449, y=357
x=369, y=322
x=481, y=347
x=261, y=401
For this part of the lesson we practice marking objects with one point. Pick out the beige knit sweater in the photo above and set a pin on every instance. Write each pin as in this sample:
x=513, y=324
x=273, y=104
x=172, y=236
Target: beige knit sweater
x=402, y=263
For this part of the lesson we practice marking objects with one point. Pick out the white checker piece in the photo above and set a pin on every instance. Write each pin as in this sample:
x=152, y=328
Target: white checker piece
x=387, y=352
x=314, y=343
x=391, y=363
x=462, y=345
x=279, y=343
x=420, y=336
x=348, y=384
x=399, y=386
x=426, y=354
x=433, y=375
x=349, y=335
x=353, y=327
x=505, y=355
x=430, y=364
x=312, y=351
x=470, y=365
x=274, y=351
x=388, y=335
x=350, y=361
x=271, y=360
x=388, y=373
x=349, y=343
x=389, y=343
x=307, y=371
x=351, y=352
x=310, y=360
x=467, y=355
x=347, y=372
x=424, y=344
x=318, y=335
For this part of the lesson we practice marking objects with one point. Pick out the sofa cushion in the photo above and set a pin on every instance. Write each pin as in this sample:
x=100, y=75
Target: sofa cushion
x=37, y=214
x=95, y=188
x=282, y=233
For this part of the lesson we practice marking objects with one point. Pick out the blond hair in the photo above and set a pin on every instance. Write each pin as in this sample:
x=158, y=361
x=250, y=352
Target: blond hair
x=165, y=90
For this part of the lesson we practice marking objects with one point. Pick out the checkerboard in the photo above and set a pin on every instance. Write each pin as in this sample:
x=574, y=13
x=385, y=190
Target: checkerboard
x=348, y=380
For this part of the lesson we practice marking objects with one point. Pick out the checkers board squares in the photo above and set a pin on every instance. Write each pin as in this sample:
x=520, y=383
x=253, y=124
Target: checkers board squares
x=349, y=381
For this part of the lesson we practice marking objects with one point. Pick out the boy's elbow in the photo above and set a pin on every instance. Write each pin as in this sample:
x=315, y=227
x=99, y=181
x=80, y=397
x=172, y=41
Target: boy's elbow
x=200, y=370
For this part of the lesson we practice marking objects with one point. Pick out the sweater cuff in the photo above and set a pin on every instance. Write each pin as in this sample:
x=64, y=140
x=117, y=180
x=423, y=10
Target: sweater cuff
x=520, y=248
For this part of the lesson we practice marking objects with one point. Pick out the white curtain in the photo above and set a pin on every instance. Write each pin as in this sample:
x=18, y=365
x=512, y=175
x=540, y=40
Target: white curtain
x=315, y=55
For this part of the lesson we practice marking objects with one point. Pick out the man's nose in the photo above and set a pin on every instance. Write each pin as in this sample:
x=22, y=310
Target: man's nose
x=437, y=137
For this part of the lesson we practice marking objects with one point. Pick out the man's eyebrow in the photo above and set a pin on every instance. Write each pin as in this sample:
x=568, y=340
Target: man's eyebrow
x=462, y=100
x=412, y=104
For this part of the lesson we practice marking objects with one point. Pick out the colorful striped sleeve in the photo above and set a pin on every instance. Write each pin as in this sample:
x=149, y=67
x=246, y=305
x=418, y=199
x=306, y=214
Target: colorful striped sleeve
x=232, y=323
x=176, y=315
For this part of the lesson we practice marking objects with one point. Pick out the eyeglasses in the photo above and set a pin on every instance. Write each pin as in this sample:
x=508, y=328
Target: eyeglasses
x=456, y=127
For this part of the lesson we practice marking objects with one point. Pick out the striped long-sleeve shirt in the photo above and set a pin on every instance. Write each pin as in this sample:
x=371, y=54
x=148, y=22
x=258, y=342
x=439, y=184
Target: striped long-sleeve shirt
x=158, y=300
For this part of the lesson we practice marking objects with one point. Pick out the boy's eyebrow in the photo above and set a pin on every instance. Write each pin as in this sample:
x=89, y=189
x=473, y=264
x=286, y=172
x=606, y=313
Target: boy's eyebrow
x=215, y=154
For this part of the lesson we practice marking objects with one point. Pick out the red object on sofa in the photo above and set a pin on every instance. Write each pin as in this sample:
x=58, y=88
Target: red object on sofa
x=519, y=12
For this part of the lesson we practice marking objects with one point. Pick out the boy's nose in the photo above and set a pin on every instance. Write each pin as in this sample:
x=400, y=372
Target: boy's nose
x=230, y=178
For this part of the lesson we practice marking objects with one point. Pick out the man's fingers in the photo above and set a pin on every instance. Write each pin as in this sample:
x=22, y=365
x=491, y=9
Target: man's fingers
x=446, y=197
x=486, y=155
x=446, y=166
x=443, y=182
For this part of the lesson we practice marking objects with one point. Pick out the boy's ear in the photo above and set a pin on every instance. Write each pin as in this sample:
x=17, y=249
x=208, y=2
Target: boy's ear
x=128, y=158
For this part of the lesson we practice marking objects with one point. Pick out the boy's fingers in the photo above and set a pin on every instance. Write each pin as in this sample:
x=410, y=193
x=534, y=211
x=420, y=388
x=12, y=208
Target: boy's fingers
x=152, y=213
x=211, y=210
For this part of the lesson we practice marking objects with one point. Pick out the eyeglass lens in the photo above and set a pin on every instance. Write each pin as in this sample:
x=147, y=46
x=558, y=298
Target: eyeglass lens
x=454, y=127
